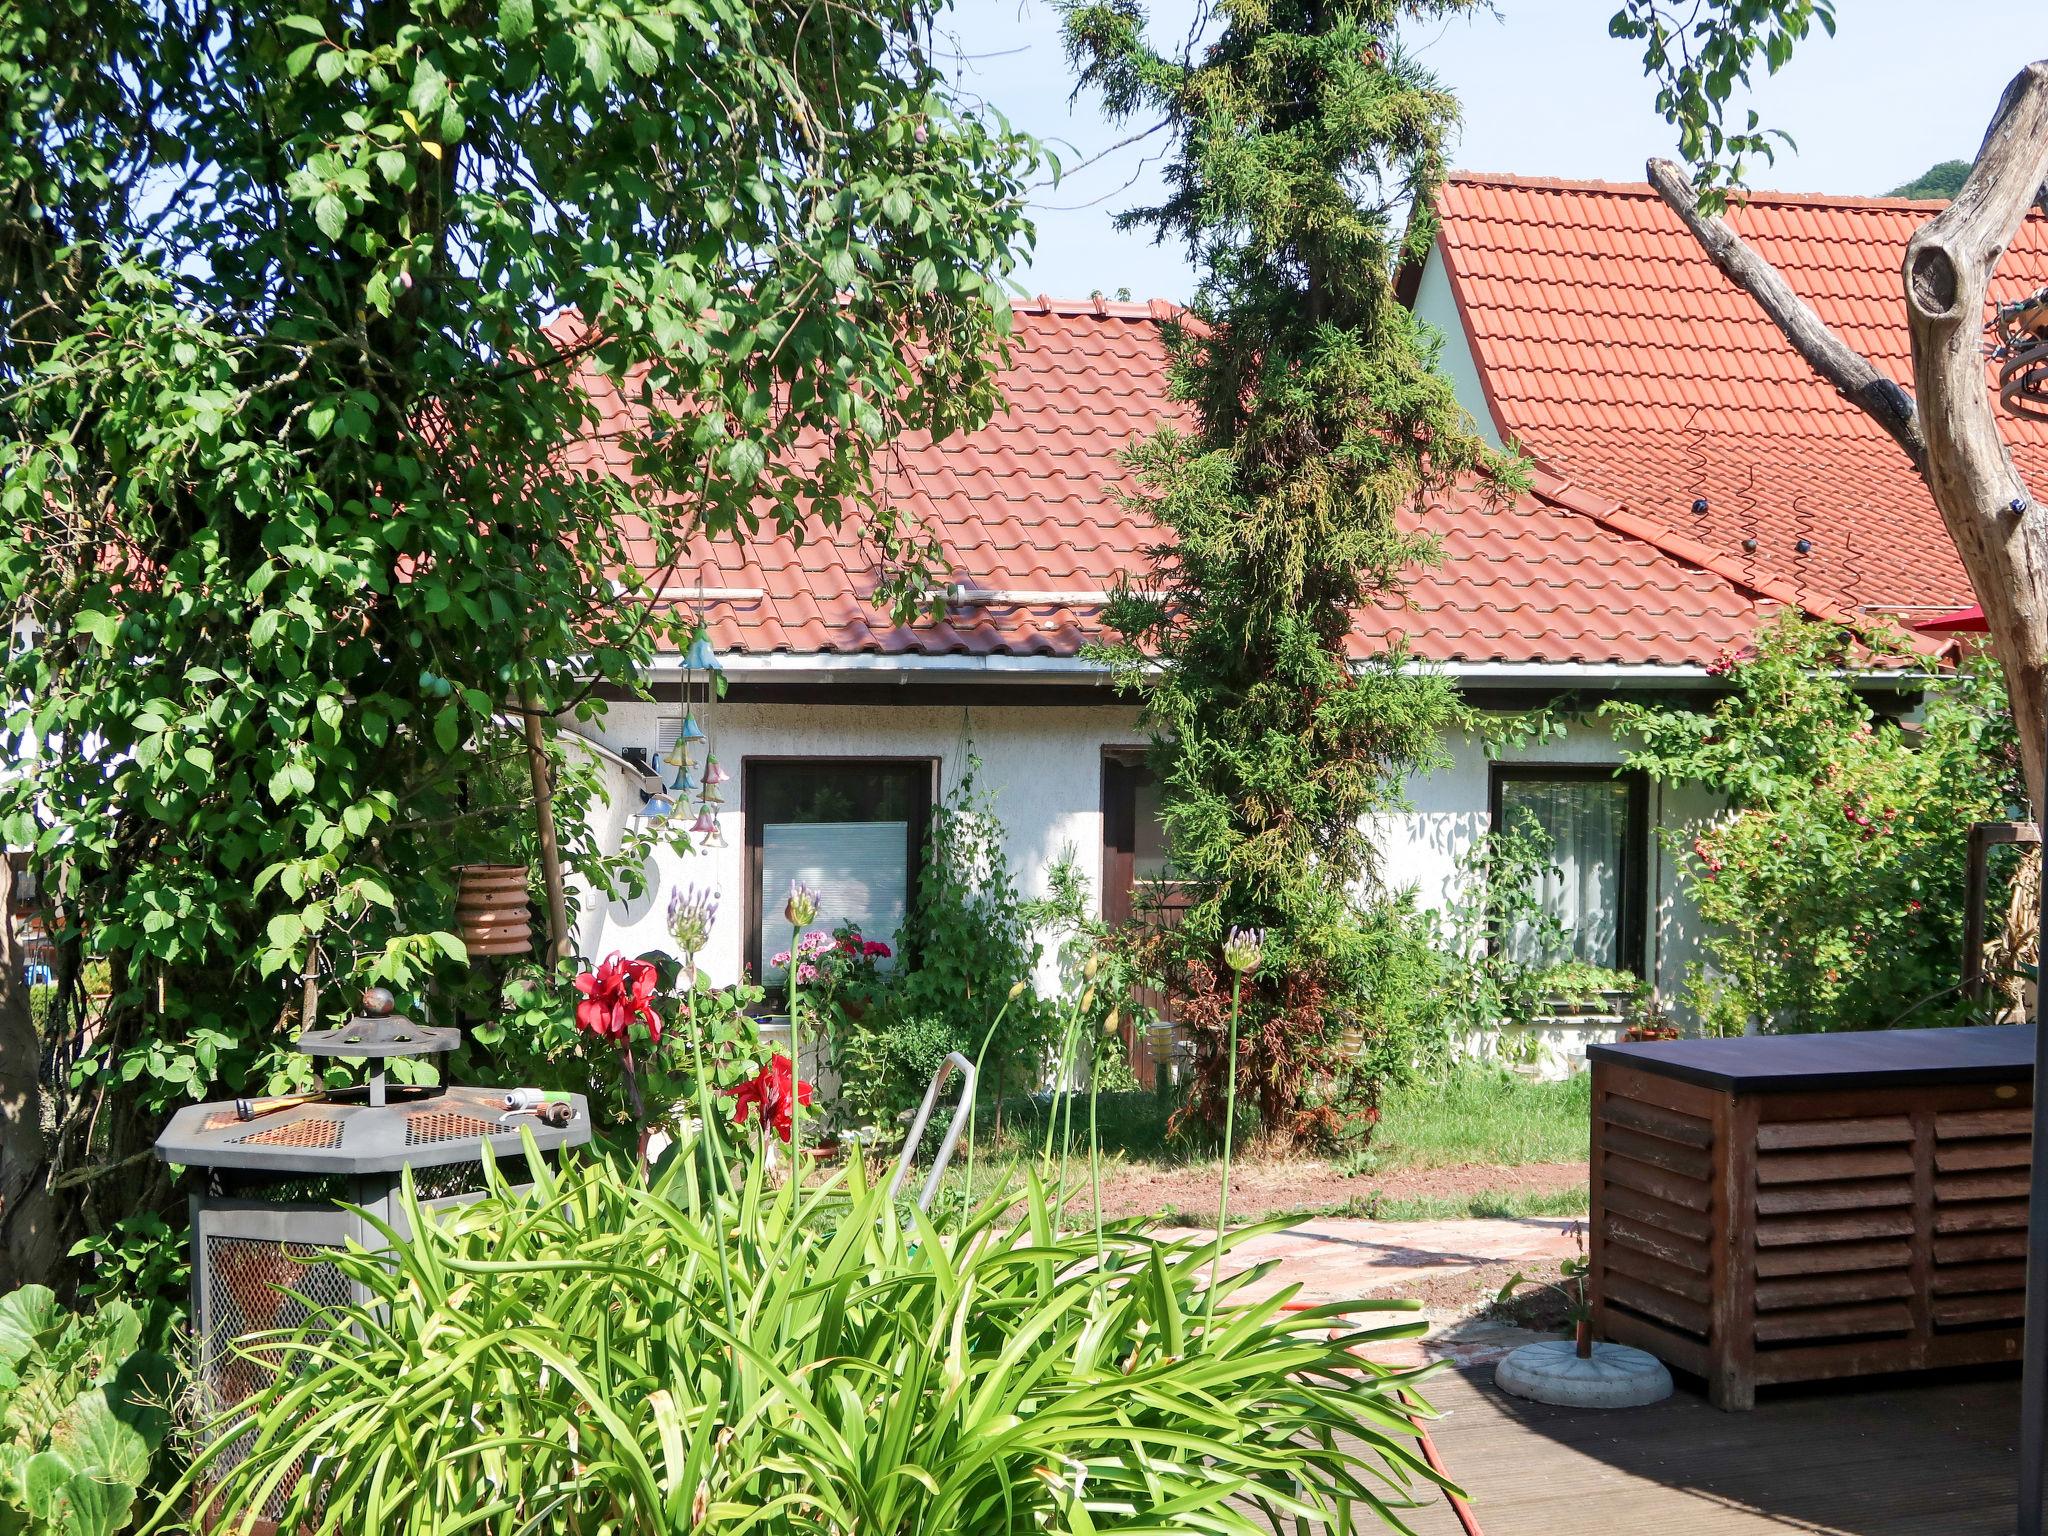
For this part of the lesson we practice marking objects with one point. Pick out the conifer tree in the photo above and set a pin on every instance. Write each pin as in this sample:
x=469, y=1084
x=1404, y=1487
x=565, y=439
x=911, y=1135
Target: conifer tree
x=1305, y=151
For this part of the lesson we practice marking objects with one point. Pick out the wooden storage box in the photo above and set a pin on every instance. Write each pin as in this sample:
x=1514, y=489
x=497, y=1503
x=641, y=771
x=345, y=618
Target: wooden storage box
x=1800, y=1207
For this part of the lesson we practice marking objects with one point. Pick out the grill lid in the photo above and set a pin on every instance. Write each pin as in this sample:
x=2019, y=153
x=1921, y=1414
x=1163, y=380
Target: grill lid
x=345, y=1134
x=377, y=1032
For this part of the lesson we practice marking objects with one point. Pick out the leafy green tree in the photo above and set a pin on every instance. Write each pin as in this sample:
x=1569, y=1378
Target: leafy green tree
x=1832, y=882
x=1943, y=180
x=311, y=513
x=1304, y=144
x=1699, y=53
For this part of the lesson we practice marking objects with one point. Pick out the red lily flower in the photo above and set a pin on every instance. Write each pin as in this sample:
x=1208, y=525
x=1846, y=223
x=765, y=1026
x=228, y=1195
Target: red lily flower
x=774, y=1091
x=618, y=992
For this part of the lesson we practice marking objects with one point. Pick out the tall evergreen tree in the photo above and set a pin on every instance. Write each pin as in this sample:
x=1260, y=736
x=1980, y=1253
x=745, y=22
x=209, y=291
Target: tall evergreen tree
x=1306, y=148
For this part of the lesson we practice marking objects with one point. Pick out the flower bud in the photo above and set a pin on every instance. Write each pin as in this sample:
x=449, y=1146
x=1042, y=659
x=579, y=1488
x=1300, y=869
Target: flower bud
x=1017, y=990
x=1244, y=949
x=802, y=905
x=1109, y=1023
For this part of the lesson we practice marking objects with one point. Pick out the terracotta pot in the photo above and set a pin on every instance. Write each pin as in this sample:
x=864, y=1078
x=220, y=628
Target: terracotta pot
x=491, y=912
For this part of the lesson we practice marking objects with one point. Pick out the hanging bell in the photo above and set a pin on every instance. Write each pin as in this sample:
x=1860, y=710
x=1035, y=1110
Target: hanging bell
x=700, y=657
x=713, y=774
x=711, y=794
x=682, y=781
x=658, y=808
x=691, y=731
x=678, y=756
x=706, y=823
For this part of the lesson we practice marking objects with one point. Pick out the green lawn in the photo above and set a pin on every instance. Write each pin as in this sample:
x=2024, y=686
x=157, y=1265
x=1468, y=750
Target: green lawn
x=1469, y=1120
x=1481, y=1115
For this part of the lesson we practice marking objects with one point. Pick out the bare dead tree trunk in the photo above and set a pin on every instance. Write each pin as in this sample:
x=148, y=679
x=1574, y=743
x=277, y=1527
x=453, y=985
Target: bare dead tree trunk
x=1950, y=432
x=30, y=1245
x=1999, y=529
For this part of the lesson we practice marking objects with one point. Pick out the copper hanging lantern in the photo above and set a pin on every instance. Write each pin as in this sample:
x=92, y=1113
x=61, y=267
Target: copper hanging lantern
x=491, y=910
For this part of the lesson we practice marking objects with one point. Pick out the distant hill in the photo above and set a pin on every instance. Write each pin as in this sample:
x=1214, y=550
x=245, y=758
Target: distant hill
x=1944, y=181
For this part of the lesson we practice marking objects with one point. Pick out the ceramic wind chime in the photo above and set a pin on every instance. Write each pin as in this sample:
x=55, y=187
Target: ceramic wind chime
x=681, y=773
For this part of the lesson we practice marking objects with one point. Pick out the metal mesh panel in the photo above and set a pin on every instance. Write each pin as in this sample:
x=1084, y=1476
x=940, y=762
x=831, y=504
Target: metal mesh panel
x=258, y=1286
x=318, y=1131
x=426, y=1126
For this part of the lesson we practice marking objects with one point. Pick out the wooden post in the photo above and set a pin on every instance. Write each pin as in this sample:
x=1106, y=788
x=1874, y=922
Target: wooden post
x=2033, y=1497
x=538, y=768
x=1984, y=836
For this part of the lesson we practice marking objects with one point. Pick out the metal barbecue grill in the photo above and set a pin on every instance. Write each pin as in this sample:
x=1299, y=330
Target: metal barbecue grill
x=279, y=1171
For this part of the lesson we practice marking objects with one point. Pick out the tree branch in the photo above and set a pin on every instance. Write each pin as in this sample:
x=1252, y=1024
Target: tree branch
x=1859, y=380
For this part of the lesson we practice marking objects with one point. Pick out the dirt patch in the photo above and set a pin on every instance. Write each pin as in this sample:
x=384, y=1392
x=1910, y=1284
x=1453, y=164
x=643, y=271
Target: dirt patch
x=1265, y=1189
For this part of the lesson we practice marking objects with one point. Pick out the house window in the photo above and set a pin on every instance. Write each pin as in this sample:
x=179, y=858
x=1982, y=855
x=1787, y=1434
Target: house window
x=851, y=828
x=1594, y=819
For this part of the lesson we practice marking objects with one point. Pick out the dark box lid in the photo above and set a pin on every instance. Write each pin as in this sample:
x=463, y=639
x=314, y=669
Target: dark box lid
x=1992, y=1053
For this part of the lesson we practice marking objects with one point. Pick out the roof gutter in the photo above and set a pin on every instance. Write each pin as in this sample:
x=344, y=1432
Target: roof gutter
x=911, y=668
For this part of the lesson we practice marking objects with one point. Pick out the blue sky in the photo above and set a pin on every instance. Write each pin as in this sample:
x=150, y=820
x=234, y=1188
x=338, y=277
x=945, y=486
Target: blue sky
x=1546, y=93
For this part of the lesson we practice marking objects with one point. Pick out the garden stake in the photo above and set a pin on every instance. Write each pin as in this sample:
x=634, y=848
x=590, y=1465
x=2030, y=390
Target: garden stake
x=1459, y=1507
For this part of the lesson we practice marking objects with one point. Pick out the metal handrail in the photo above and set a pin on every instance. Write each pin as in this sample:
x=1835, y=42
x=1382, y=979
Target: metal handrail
x=954, y=1062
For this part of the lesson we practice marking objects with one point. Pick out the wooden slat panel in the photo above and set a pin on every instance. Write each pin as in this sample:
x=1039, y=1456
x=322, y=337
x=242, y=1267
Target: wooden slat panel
x=1832, y=1227
x=1967, y=1247
x=1655, y=1120
x=2012, y=1152
x=1833, y=1258
x=1965, y=1279
x=1789, y=1134
x=1676, y=1279
x=1651, y=1302
x=1686, y=1162
x=1984, y=1216
x=1823, y=1290
x=1621, y=1201
x=1999, y=1307
x=1985, y=1184
x=1692, y=1193
x=1850, y=1196
x=1834, y=1322
x=1984, y=1122
x=1815, y=1167
x=1659, y=1244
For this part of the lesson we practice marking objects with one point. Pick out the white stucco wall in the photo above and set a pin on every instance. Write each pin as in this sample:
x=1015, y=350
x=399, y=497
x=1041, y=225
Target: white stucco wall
x=1437, y=307
x=1044, y=767
x=1042, y=764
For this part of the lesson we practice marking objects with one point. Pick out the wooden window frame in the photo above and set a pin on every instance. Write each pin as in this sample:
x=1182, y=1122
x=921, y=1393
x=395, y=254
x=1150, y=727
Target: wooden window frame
x=751, y=769
x=1636, y=853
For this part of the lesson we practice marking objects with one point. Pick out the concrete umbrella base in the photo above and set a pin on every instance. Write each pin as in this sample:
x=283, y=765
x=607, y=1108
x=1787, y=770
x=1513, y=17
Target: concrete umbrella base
x=1615, y=1377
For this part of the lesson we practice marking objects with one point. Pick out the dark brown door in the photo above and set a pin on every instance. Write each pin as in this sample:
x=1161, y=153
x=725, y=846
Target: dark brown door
x=1136, y=886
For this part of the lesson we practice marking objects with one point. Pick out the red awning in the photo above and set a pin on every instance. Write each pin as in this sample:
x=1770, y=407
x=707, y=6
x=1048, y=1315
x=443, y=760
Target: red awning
x=1964, y=621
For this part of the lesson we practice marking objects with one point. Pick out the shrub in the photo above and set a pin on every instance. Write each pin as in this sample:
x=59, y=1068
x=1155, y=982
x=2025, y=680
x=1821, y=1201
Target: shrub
x=82, y=1411
x=596, y=1355
x=967, y=945
x=1832, y=886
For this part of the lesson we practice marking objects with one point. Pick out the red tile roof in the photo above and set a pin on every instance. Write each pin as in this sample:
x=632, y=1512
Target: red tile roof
x=1617, y=354
x=1029, y=505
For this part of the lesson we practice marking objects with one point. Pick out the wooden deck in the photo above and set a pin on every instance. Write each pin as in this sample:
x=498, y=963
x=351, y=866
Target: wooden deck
x=1890, y=1458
